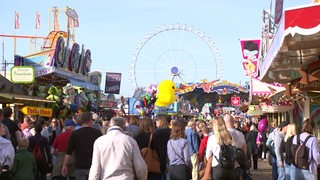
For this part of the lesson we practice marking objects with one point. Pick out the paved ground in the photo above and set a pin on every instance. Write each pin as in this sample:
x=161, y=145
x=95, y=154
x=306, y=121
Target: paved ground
x=263, y=172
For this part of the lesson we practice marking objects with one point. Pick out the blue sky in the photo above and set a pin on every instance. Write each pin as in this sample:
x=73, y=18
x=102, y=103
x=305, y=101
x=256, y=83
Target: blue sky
x=112, y=29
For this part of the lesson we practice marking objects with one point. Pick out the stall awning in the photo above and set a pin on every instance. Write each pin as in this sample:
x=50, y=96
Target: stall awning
x=259, y=88
x=84, y=84
x=59, y=78
x=20, y=98
x=295, y=45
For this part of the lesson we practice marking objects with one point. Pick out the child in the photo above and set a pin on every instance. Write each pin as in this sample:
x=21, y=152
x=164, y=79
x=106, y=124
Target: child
x=24, y=166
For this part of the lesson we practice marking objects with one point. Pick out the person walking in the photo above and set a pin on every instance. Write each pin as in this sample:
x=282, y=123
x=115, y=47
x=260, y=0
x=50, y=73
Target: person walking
x=179, y=153
x=44, y=163
x=290, y=169
x=313, y=151
x=81, y=144
x=221, y=136
x=160, y=139
x=59, y=148
x=13, y=127
x=193, y=140
x=252, y=148
x=279, y=150
x=7, y=154
x=116, y=155
x=24, y=166
x=239, y=141
x=146, y=129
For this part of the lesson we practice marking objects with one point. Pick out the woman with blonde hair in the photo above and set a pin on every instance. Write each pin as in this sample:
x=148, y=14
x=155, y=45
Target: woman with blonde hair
x=221, y=136
x=290, y=169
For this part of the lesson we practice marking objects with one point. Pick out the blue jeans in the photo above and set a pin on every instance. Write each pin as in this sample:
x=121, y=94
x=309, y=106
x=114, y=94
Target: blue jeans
x=290, y=171
x=281, y=172
x=305, y=174
x=81, y=174
x=274, y=167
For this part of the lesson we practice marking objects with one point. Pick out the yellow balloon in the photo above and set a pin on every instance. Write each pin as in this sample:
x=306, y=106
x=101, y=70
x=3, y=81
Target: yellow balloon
x=166, y=93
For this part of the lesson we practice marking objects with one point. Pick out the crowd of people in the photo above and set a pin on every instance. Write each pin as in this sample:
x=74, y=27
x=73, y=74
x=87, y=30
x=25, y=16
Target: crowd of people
x=86, y=147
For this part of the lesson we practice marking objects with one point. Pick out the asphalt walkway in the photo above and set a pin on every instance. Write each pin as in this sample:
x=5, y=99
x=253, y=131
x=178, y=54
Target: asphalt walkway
x=263, y=172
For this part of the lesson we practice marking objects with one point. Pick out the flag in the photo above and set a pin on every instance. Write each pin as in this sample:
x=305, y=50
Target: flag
x=278, y=11
x=76, y=23
x=37, y=20
x=16, y=20
x=250, y=50
x=69, y=22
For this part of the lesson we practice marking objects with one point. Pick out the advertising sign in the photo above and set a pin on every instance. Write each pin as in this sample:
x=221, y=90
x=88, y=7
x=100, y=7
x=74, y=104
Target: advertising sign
x=235, y=101
x=30, y=110
x=22, y=74
x=113, y=81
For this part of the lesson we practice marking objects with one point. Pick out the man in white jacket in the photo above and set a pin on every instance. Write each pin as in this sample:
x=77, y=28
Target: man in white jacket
x=116, y=155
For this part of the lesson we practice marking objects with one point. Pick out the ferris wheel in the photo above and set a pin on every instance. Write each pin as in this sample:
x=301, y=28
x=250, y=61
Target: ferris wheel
x=178, y=52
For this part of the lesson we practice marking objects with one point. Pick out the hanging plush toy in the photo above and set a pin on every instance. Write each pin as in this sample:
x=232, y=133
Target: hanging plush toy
x=54, y=94
x=42, y=92
x=166, y=93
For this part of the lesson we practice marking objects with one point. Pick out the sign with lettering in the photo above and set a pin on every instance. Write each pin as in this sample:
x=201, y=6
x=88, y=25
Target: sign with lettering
x=235, y=101
x=113, y=81
x=22, y=74
x=30, y=110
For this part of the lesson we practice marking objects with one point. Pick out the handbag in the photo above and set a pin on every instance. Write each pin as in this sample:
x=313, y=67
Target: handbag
x=151, y=158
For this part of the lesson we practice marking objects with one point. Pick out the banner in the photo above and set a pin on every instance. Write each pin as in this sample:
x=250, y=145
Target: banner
x=250, y=50
x=278, y=11
x=37, y=20
x=16, y=20
x=235, y=101
x=250, y=68
x=113, y=81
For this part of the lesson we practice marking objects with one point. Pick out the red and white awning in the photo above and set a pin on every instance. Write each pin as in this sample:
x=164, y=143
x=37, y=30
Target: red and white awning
x=295, y=45
x=262, y=89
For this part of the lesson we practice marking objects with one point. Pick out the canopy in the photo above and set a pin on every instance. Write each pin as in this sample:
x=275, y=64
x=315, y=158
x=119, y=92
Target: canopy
x=259, y=88
x=295, y=45
x=21, y=98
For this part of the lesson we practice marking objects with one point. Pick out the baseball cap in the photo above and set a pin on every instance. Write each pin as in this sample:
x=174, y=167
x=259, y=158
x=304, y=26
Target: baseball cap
x=69, y=122
x=283, y=124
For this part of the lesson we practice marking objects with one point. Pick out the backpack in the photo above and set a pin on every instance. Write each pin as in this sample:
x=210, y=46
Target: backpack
x=37, y=153
x=300, y=153
x=270, y=142
x=227, y=156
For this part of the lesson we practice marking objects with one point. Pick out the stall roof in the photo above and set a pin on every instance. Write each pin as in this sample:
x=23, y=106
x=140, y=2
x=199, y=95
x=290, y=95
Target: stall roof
x=60, y=80
x=259, y=88
x=20, y=98
x=295, y=45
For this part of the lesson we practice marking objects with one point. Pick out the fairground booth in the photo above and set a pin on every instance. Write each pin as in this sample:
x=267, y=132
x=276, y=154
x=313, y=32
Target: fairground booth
x=291, y=57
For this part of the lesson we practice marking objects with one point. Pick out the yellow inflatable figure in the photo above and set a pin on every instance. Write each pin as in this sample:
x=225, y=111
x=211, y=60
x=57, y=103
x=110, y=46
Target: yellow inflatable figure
x=165, y=95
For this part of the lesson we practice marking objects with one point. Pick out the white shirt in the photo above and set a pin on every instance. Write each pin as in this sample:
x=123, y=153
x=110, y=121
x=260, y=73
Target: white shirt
x=213, y=148
x=117, y=156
